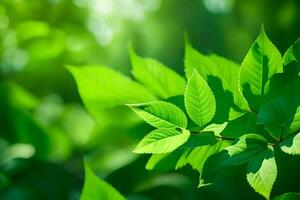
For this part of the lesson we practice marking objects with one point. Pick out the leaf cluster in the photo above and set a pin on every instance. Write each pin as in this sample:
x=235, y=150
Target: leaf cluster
x=219, y=116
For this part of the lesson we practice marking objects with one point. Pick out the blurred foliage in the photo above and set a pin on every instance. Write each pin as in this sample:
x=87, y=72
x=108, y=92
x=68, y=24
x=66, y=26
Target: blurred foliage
x=44, y=129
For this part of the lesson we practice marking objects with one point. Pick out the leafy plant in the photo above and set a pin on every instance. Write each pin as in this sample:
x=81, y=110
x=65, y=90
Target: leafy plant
x=225, y=115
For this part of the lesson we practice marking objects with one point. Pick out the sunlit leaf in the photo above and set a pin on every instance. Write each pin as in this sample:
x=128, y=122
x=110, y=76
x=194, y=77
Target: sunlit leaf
x=291, y=145
x=101, y=87
x=262, y=172
x=160, y=114
x=222, y=77
x=215, y=128
x=261, y=63
x=160, y=79
x=95, y=188
x=162, y=141
x=246, y=148
x=199, y=100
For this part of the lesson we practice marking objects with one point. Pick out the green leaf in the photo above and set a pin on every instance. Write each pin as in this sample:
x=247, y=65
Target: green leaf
x=160, y=114
x=101, y=87
x=199, y=100
x=288, y=196
x=213, y=167
x=291, y=145
x=196, y=157
x=262, y=172
x=295, y=124
x=215, y=128
x=245, y=149
x=201, y=139
x=164, y=161
x=160, y=79
x=222, y=77
x=162, y=141
x=261, y=63
x=244, y=124
x=154, y=159
x=292, y=54
x=95, y=188
x=281, y=115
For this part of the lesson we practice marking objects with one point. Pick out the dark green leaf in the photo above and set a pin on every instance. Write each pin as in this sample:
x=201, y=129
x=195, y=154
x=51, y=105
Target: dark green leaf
x=261, y=63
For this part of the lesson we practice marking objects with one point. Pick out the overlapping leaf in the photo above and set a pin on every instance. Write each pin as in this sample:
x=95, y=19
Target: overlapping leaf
x=262, y=172
x=162, y=141
x=160, y=114
x=291, y=145
x=101, y=87
x=247, y=147
x=222, y=77
x=261, y=63
x=281, y=115
x=95, y=188
x=160, y=79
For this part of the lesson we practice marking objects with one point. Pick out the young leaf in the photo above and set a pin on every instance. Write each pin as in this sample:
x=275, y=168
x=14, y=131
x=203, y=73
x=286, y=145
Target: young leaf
x=291, y=145
x=246, y=148
x=162, y=141
x=215, y=128
x=199, y=100
x=261, y=63
x=160, y=79
x=160, y=114
x=222, y=77
x=101, y=87
x=95, y=188
x=262, y=172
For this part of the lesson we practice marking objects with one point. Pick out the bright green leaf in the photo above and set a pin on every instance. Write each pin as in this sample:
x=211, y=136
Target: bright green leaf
x=162, y=141
x=160, y=114
x=246, y=148
x=199, y=100
x=154, y=159
x=293, y=53
x=222, y=77
x=262, y=172
x=101, y=87
x=291, y=145
x=261, y=63
x=215, y=128
x=160, y=79
x=95, y=188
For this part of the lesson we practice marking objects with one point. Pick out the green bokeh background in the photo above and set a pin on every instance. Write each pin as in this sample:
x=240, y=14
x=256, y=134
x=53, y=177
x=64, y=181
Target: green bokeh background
x=40, y=106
